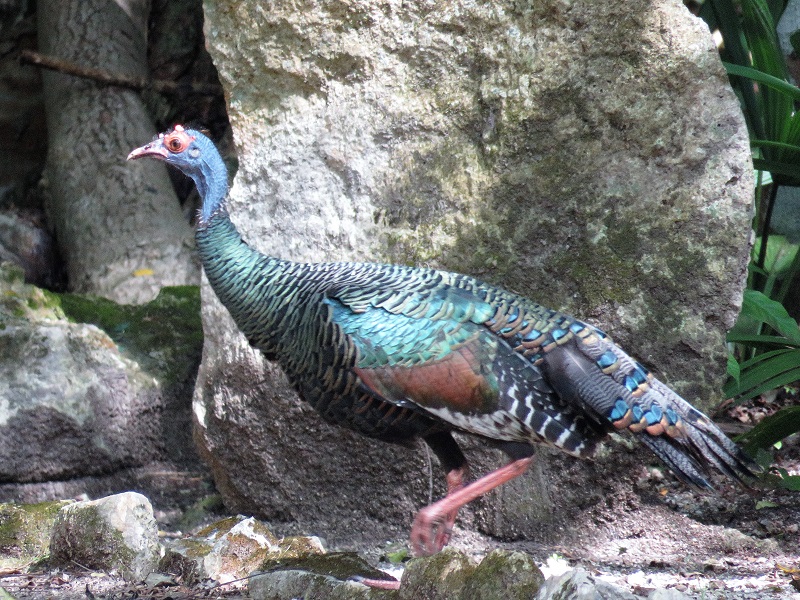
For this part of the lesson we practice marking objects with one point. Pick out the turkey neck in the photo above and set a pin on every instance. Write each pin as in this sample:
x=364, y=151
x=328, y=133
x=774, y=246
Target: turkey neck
x=247, y=282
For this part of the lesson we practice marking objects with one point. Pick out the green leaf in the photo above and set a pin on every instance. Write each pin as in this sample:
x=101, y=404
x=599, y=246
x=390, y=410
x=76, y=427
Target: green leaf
x=792, y=482
x=769, y=80
x=780, y=253
x=398, y=556
x=762, y=457
x=775, y=167
x=772, y=429
x=757, y=305
x=765, y=372
x=4, y=595
x=763, y=178
x=757, y=340
x=785, y=357
x=726, y=19
x=772, y=144
x=765, y=504
x=733, y=368
x=758, y=26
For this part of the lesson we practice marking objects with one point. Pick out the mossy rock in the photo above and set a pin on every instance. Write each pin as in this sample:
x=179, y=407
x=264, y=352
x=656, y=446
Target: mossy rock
x=442, y=576
x=25, y=532
x=117, y=532
x=234, y=547
x=165, y=335
x=339, y=565
x=450, y=575
x=19, y=300
x=504, y=575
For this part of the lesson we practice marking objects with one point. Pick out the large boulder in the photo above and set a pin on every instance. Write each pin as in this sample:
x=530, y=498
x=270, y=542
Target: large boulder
x=590, y=155
x=90, y=388
x=452, y=575
x=70, y=403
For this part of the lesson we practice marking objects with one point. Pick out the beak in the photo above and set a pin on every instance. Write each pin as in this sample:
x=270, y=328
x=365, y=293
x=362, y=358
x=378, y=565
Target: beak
x=155, y=149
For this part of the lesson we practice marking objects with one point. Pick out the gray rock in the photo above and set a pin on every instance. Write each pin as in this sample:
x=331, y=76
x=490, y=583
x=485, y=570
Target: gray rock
x=309, y=586
x=504, y=575
x=317, y=577
x=70, y=403
x=577, y=584
x=667, y=594
x=114, y=533
x=233, y=548
x=438, y=577
x=76, y=402
x=589, y=155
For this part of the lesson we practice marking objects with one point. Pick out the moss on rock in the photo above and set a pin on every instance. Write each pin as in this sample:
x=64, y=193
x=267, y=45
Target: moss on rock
x=504, y=575
x=450, y=575
x=19, y=300
x=25, y=532
x=165, y=335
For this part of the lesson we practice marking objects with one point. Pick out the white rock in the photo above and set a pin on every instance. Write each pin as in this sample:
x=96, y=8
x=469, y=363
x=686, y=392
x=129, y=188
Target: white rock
x=117, y=532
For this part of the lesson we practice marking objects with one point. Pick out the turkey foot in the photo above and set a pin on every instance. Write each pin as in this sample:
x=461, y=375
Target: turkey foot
x=456, y=480
x=434, y=524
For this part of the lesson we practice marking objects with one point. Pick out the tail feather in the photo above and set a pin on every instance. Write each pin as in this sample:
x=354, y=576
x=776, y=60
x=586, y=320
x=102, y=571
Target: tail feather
x=684, y=465
x=597, y=377
x=718, y=450
x=707, y=441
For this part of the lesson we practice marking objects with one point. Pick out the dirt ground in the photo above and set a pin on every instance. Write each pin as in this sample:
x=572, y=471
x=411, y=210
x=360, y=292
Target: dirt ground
x=626, y=523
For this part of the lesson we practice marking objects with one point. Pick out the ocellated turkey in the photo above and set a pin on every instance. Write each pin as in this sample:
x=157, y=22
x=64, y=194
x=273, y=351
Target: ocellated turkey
x=399, y=353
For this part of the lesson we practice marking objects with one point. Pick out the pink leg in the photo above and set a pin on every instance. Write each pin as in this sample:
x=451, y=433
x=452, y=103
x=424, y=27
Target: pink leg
x=434, y=523
x=379, y=584
x=455, y=481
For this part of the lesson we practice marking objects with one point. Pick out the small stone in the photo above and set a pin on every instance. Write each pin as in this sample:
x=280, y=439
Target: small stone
x=577, y=584
x=224, y=551
x=300, y=545
x=232, y=549
x=667, y=594
x=714, y=565
x=117, y=532
x=155, y=580
x=333, y=576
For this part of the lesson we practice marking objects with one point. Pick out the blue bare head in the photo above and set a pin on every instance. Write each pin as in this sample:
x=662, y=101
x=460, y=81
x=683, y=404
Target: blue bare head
x=195, y=154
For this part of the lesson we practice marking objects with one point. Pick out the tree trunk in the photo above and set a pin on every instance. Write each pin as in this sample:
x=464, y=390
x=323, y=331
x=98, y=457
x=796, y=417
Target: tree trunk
x=119, y=225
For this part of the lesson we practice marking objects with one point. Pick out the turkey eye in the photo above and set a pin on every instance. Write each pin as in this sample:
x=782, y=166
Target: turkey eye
x=175, y=144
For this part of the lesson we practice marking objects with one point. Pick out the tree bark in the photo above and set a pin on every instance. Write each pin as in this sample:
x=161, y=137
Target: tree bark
x=119, y=225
